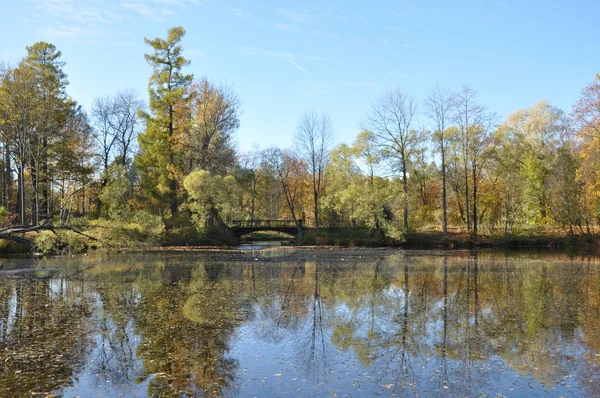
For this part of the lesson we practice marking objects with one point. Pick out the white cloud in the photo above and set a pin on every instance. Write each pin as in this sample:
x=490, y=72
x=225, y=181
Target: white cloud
x=91, y=22
x=283, y=27
x=306, y=21
x=310, y=14
x=148, y=11
x=293, y=15
x=181, y=3
x=157, y=10
x=74, y=11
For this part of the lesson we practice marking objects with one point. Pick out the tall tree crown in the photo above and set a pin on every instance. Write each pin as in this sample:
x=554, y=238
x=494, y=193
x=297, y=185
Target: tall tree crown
x=167, y=84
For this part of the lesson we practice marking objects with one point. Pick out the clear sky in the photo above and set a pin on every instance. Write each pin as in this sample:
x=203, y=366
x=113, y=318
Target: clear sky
x=284, y=57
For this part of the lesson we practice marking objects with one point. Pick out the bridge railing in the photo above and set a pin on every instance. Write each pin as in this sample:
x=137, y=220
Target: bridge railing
x=264, y=223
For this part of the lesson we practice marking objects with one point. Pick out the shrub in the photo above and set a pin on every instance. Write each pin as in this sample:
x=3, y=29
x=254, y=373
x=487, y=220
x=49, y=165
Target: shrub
x=72, y=242
x=142, y=229
x=47, y=242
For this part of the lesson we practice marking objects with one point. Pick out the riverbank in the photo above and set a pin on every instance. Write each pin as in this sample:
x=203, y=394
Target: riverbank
x=434, y=239
x=535, y=238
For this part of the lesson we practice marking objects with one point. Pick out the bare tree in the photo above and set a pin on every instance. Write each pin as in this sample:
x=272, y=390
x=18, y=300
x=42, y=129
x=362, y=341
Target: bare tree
x=439, y=106
x=126, y=122
x=116, y=121
x=390, y=120
x=104, y=134
x=313, y=141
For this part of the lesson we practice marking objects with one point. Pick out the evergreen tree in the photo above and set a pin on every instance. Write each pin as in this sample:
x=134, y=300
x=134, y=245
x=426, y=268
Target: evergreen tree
x=53, y=108
x=159, y=162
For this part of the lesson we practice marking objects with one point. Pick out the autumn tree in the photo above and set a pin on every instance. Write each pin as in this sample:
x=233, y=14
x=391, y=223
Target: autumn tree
x=539, y=129
x=313, y=141
x=71, y=164
x=53, y=110
x=289, y=172
x=586, y=112
x=214, y=118
x=359, y=191
x=439, y=108
x=391, y=121
x=19, y=106
x=506, y=165
x=565, y=189
x=586, y=128
x=475, y=124
x=159, y=163
x=213, y=197
x=6, y=179
x=248, y=174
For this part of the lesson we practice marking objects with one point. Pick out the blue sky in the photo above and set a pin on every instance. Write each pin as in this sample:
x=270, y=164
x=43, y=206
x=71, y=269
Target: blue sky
x=284, y=57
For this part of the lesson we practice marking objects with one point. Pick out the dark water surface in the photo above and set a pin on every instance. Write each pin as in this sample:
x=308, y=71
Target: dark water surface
x=280, y=322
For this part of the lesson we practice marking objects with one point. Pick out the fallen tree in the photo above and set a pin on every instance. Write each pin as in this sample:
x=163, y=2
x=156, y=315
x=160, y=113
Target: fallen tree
x=16, y=233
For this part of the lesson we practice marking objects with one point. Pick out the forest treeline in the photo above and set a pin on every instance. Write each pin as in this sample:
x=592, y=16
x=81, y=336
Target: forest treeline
x=167, y=167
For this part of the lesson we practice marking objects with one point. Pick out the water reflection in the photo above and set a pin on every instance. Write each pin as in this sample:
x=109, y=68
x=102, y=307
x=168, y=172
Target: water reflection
x=343, y=322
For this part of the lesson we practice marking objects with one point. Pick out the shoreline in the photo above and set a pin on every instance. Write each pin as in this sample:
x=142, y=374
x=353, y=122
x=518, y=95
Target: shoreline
x=359, y=238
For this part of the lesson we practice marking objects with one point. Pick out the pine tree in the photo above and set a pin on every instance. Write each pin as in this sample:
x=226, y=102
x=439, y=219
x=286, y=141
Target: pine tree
x=159, y=163
x=53, y=109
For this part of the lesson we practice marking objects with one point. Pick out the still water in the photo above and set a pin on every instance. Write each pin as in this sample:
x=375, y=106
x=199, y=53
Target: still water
x=286, y=322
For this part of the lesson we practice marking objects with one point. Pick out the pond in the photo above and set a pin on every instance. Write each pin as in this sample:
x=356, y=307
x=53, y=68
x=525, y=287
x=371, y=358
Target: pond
x=301, y=322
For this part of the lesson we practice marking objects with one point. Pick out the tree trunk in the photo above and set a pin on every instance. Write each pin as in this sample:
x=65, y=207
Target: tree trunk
x=253, y=200
x=172, y=181
x=6, y=179
x=21, y=192
x=316, y=200
x=506, y=209
x=103, y=183
x=44, y=181
x=444, y=199
x=467, y=199
x=36, y=194
x=475, y=202
x=405, y=191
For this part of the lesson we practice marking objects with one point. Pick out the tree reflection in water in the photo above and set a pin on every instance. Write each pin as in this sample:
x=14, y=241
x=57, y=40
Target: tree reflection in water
x=406, y=323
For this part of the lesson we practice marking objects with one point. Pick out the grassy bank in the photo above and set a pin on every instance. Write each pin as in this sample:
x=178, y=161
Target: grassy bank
x=345, y=237
x=113, y=236
x=433, y=239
